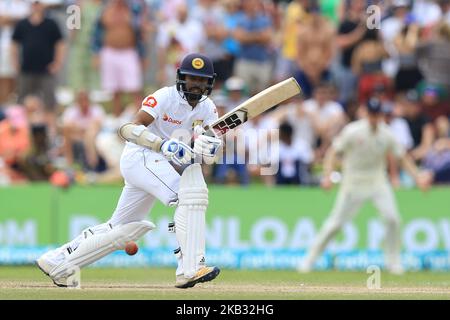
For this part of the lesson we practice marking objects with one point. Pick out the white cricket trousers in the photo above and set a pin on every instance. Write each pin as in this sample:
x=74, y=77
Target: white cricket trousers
x=348, y=202
x=148, y=176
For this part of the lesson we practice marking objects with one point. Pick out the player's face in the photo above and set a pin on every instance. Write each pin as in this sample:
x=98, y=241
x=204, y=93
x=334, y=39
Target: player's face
x=375, y=118
x=196, y=84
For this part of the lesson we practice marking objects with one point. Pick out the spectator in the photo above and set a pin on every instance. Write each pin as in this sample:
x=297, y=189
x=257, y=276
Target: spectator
x=326, y=117
x=81, y=74
x=434, y=102
x=419, y=124
x=109, y=145
x=433, y=57
x=367, y=61
x=14, y=142
x=236, y=91
x=293, y=112
x=330, y=9
x=445, y=8
x=120, y=52
x=294, y=16
x=408, y=74
x=169, y=10
x=315, y=50
x=437, y=161
x=234, y=154
x=35, y=109
x=231, y=45
x=212, y=15
x=398, y=125
x=10, y=13
x=428, y=12
x=79, y=121
x=254, y=32
x=390, y=29
x=37, y=165
x=443, y=127
x=295, y=158
x=175, y=39
x=260, y=146
x=351, y=31
x=38, y=52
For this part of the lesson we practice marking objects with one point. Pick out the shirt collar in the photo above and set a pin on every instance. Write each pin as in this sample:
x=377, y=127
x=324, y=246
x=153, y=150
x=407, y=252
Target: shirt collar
x=181, y=101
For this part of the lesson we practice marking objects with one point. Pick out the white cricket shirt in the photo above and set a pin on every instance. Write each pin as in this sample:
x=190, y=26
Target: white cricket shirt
x=364, y=152
x=174, y=117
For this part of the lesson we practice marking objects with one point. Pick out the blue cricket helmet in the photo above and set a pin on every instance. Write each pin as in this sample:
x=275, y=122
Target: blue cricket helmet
x=195, y=64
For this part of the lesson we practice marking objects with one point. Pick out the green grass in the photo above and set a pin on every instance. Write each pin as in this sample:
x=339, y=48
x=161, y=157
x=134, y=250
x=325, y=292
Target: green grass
x=29, y=283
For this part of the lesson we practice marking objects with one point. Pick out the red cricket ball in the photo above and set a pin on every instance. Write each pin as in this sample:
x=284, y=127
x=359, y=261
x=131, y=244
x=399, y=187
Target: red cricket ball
x=131, y=248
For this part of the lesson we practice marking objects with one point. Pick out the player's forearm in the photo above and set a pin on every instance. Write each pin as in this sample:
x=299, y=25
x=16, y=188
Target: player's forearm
x=409, y=165
x=329, y=162
x=139, y=135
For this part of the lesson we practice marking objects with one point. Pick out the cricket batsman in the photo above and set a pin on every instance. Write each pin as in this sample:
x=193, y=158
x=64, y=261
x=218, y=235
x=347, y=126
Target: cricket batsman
x=363, y=146
x=147, y=167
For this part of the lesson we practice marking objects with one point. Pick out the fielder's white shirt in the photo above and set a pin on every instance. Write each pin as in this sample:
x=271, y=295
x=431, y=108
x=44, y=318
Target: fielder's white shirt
x=173, y=115
x=364, y=153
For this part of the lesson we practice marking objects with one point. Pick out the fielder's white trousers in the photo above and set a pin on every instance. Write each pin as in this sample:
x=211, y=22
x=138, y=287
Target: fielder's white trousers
x=349, y=201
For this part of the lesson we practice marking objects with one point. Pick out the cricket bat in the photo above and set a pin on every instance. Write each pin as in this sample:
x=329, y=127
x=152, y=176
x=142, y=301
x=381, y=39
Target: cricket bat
x=254, y=106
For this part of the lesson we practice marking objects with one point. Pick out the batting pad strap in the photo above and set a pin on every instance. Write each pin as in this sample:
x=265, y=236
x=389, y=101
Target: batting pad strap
x=194, y=197
x=177, y=252
x=138, y=134
x=99, y=244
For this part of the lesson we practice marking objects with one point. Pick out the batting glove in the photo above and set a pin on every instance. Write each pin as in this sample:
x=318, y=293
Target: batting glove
x=205, y=145
x=177, y=152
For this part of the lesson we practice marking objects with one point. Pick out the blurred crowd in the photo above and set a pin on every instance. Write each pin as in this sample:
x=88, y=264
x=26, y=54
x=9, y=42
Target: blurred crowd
x=71, y=72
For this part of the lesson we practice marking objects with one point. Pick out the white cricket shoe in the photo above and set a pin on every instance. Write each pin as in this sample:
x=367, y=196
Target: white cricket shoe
x=48, y=262
x=204, y=274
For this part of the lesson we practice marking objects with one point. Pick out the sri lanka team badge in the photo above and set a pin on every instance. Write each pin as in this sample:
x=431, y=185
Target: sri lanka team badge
x=198, y=63
x=197, y=123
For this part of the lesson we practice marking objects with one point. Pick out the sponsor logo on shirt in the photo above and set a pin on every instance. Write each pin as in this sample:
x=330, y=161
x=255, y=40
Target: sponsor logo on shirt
x=169, y=119
x=150, y=101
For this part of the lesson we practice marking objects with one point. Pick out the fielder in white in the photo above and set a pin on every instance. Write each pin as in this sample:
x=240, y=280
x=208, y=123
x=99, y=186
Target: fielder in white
x=364, y=145
x=149, y=175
